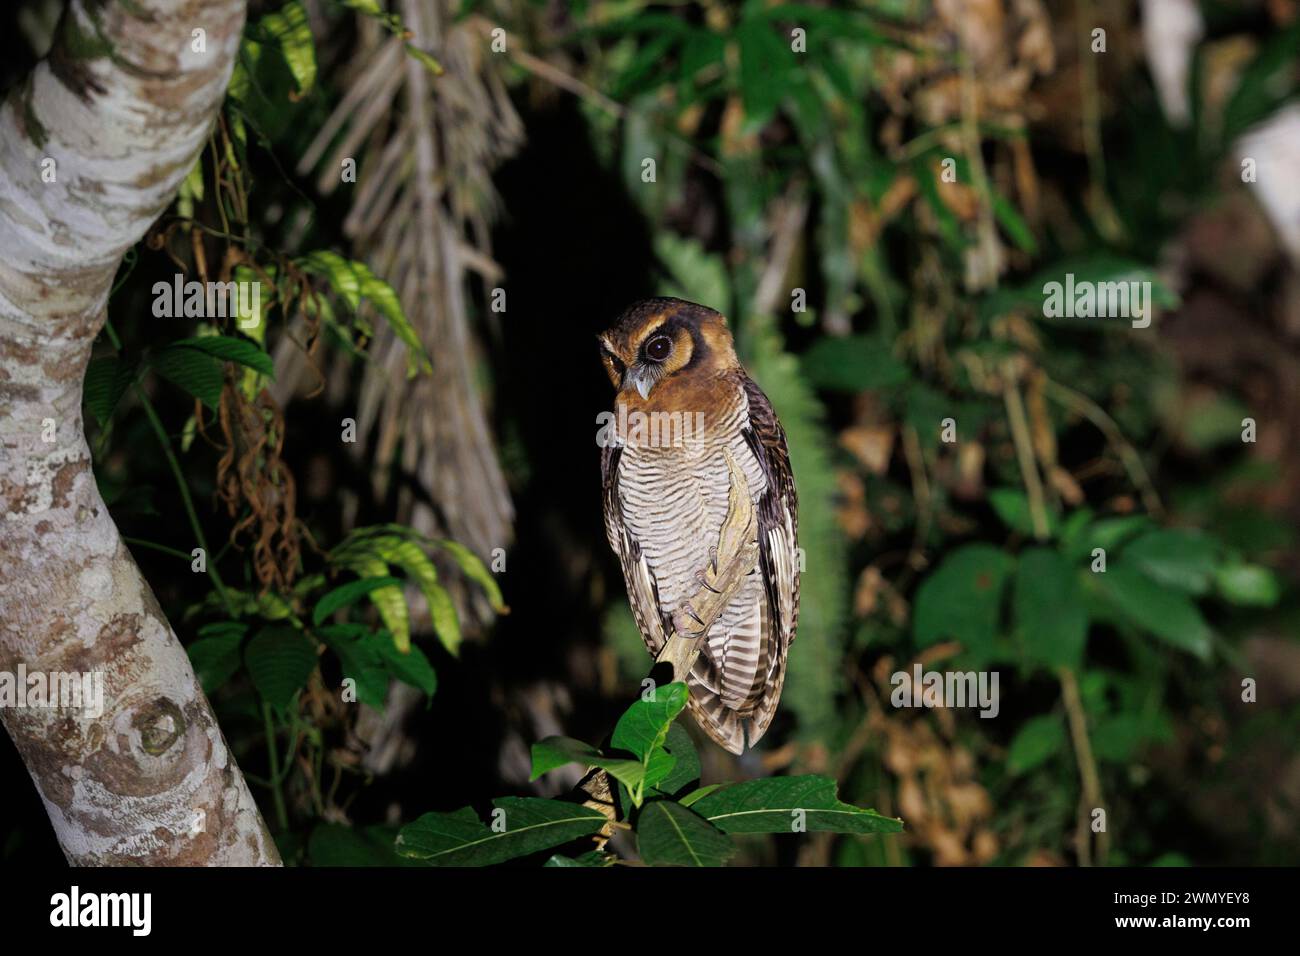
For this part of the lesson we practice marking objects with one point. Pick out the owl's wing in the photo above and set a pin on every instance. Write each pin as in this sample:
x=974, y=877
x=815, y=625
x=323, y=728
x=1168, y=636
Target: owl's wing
x=643, y=592
x=778, y=560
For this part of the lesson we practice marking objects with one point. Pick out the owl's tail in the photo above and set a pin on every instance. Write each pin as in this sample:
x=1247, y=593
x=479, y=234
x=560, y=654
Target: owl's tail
x=720, y=722
x=733, y=729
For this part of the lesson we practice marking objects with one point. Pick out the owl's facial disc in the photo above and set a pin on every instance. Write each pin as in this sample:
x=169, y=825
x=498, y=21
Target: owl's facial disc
x=663, y=350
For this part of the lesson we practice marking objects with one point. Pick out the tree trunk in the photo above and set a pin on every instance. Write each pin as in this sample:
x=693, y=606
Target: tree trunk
x=114, y=116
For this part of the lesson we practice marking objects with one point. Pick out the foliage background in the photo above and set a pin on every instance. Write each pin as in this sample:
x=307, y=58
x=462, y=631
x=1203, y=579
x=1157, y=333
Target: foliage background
x=774, y=171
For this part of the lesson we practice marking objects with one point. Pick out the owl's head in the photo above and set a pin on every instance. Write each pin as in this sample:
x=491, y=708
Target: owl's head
x=656, y=339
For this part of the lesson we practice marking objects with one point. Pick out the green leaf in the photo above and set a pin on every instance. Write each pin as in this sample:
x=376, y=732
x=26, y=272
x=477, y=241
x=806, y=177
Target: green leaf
x=335, y=844
x=558, y=751
x=360, y=660
x=429, y=63
x=1251, y=585
x=476, y=571
x=419, y=568
x=763, y=63
x=927, y=181
x=232, y=349
x=1265, y=84
x=369, y=7
x=961, y=599
x=1108, y=534
x=388, y=600
x=1117, y=736
x=354, y=282
x=528, y=825
x=348, y=594
x=194, y=371
x=412, y=668
x=1051, y=618
x=1038, y=740
x=699, y=794
x=853, y=364
x=1168, y=614
x=643, y=727
x=686, y=761
x=642, y=731
x=291, y=32
x=106, y=380
x=1074, y=525
x=702, y=48
x=778, y=804
x=1012, y=506
x=592, y=858
x=1014, y=225
x=1210, y=423
x=669, y=834
x=1179, y=558
x=215, y=655
x=279, y=660
x=644, y=72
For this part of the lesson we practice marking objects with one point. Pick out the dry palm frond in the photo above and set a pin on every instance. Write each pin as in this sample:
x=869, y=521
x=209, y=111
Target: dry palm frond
x=425, y=148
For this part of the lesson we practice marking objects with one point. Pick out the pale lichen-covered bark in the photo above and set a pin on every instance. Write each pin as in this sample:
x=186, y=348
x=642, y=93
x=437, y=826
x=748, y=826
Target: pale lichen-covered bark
x=122, y=105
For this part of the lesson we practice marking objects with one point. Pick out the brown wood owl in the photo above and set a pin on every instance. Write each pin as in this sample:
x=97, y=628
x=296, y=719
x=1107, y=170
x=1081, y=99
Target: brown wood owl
x=683, y=402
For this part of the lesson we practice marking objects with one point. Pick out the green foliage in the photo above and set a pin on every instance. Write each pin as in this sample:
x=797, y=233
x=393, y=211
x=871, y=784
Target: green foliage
x=372, y=553
x=852, y=364
x=1164, y=613
x=642, y=731
x=191, y=370
x=1038, y=740
x=354, y=283
x=288, y=30
x=1050, y=614
x=962, y=599
x=215, y=655
x=346, y=595
x=690, y=830
x=669, y=834
x=334, y=844
x=280, y=659
x=520, y=826
x=107, y=379
x=231, y=349
x=786, y=805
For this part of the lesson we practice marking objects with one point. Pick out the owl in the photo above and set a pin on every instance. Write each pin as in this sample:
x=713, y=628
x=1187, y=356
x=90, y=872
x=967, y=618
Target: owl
x=684, y=402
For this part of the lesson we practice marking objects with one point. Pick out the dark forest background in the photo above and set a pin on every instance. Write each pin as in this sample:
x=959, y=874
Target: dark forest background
x=877, y=213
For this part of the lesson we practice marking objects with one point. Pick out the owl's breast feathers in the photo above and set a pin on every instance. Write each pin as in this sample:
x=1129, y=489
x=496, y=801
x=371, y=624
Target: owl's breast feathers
x=665, y=504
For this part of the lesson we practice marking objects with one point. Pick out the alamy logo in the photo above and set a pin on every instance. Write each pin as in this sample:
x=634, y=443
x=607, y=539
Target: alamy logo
x=103, y=909
x=648, y=429
x=947, y=689
x=60, y=689
x=1126, y=299
x=208, y=300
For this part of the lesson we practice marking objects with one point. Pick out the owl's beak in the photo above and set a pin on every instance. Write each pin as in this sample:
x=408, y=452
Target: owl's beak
x=640, y=378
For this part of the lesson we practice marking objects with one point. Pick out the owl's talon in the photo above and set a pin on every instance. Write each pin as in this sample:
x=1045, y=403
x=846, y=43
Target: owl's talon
x=690, y=612
x=703, y=580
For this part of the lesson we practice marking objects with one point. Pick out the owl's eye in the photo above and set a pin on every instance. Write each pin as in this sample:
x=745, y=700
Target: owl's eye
x=659, y=348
